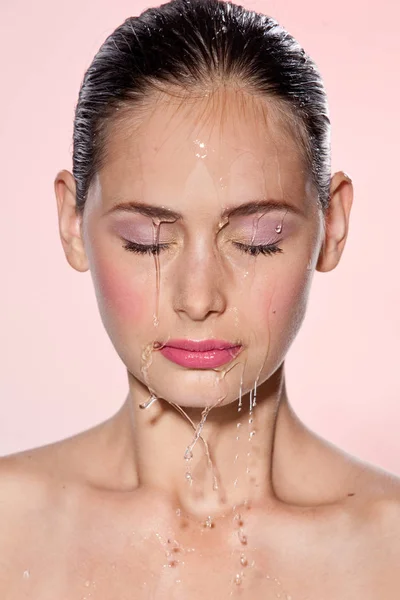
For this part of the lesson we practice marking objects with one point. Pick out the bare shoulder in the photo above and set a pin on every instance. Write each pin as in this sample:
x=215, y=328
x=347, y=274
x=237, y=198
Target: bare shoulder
x=374, y=491
x=40, y=489
x=378, y=509
x=28, y=481
x=382, y=547
x=33, y=481
x=24, y=500
x=23, y=481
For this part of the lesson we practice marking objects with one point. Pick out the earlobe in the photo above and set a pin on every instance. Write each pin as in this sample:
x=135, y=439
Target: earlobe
x=336, y=222
x=69, y=221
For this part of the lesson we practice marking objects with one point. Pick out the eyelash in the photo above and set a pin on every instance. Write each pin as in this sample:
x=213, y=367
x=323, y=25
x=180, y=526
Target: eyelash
x=144, y=248
x=265, y=249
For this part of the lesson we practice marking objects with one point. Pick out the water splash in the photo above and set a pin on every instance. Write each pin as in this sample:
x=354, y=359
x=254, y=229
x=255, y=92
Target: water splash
x=202, y=152
x=200, y=426
x=149, y=402
x=146, y=361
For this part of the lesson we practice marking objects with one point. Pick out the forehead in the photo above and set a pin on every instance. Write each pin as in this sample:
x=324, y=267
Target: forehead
x=226, y=146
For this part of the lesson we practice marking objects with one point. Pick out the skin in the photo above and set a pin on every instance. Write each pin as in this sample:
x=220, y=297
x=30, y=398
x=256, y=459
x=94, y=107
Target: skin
x=110, y=513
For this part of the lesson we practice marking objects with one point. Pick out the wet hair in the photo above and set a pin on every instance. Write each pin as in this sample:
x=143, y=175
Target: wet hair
x=192, y=45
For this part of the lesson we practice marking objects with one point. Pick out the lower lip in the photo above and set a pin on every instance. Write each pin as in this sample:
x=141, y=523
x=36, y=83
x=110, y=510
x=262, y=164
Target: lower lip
x=200, y=360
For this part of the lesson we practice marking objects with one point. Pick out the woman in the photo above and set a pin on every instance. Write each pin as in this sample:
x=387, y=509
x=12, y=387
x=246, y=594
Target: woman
x=202, y=202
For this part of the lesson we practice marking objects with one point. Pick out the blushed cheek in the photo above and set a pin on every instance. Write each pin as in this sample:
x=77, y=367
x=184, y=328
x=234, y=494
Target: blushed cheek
x=121, y=298
x=282, y=306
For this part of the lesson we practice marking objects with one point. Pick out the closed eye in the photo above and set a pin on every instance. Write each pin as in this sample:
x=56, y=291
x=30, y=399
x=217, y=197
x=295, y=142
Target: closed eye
x=266, y=249
x=144, y=248
x=254, y=250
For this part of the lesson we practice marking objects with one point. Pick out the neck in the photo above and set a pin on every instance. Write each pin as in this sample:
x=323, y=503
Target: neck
x=229, y=459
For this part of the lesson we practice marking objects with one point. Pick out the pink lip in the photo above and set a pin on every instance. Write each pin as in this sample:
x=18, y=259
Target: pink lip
x=204, y=354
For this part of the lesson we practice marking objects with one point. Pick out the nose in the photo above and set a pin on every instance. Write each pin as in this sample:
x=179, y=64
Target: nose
x=200, y=284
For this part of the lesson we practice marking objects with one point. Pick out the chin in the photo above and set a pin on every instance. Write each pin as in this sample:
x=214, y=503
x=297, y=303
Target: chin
x=195, y=388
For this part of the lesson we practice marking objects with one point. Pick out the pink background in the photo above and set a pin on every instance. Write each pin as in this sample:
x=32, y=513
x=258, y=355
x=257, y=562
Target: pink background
x=59, y=371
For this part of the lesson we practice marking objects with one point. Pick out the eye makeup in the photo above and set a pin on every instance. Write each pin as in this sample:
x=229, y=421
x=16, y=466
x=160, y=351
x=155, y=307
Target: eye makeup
x=250, y=234
x=260, y=230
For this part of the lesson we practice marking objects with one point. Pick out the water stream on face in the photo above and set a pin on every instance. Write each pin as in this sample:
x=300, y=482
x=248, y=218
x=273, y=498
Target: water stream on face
x=156, y=239
x=173, y=550
x=238, y=520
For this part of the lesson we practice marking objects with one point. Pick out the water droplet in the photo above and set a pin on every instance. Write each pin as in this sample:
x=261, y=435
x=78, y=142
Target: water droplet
x=178, y=512
x=242, y=537
x=238, y=579
x=235, y=482
x=238, y=519
x=173, y=563
x=188, y=476
x=26, y=574
x=278, y=228
x=240, y=394
x=250, y=420
x=188, y=454
x=238, y=425
x=149, y=402
x=209, y=522
x=243, y=560
x=252, y=434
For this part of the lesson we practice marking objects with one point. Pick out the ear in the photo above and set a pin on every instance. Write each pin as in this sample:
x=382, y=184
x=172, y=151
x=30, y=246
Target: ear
x=70, y=221
x=336, y=222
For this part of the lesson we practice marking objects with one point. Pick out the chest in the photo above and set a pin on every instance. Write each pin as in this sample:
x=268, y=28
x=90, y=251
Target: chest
x=160, y=568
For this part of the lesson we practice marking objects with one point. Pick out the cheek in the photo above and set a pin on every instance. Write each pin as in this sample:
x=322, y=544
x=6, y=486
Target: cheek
x=121, y=297
x=281, y=306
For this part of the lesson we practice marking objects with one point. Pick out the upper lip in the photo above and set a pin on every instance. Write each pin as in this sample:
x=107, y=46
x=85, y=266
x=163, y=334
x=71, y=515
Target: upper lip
x=201, y=345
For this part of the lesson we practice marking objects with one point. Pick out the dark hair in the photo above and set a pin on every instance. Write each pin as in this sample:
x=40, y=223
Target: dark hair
x=189, y=44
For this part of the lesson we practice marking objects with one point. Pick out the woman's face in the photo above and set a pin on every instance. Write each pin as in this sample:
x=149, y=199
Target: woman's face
x=198, y=180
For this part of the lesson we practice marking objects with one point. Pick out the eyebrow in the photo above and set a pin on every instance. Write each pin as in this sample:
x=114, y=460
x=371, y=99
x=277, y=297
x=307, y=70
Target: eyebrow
x=263, y=205
x=148, y=210
x=249, y=208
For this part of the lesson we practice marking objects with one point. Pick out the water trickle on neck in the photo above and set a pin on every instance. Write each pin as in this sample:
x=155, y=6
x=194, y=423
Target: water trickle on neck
x=149, y=402
x=240, y=394
x=188, y=453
